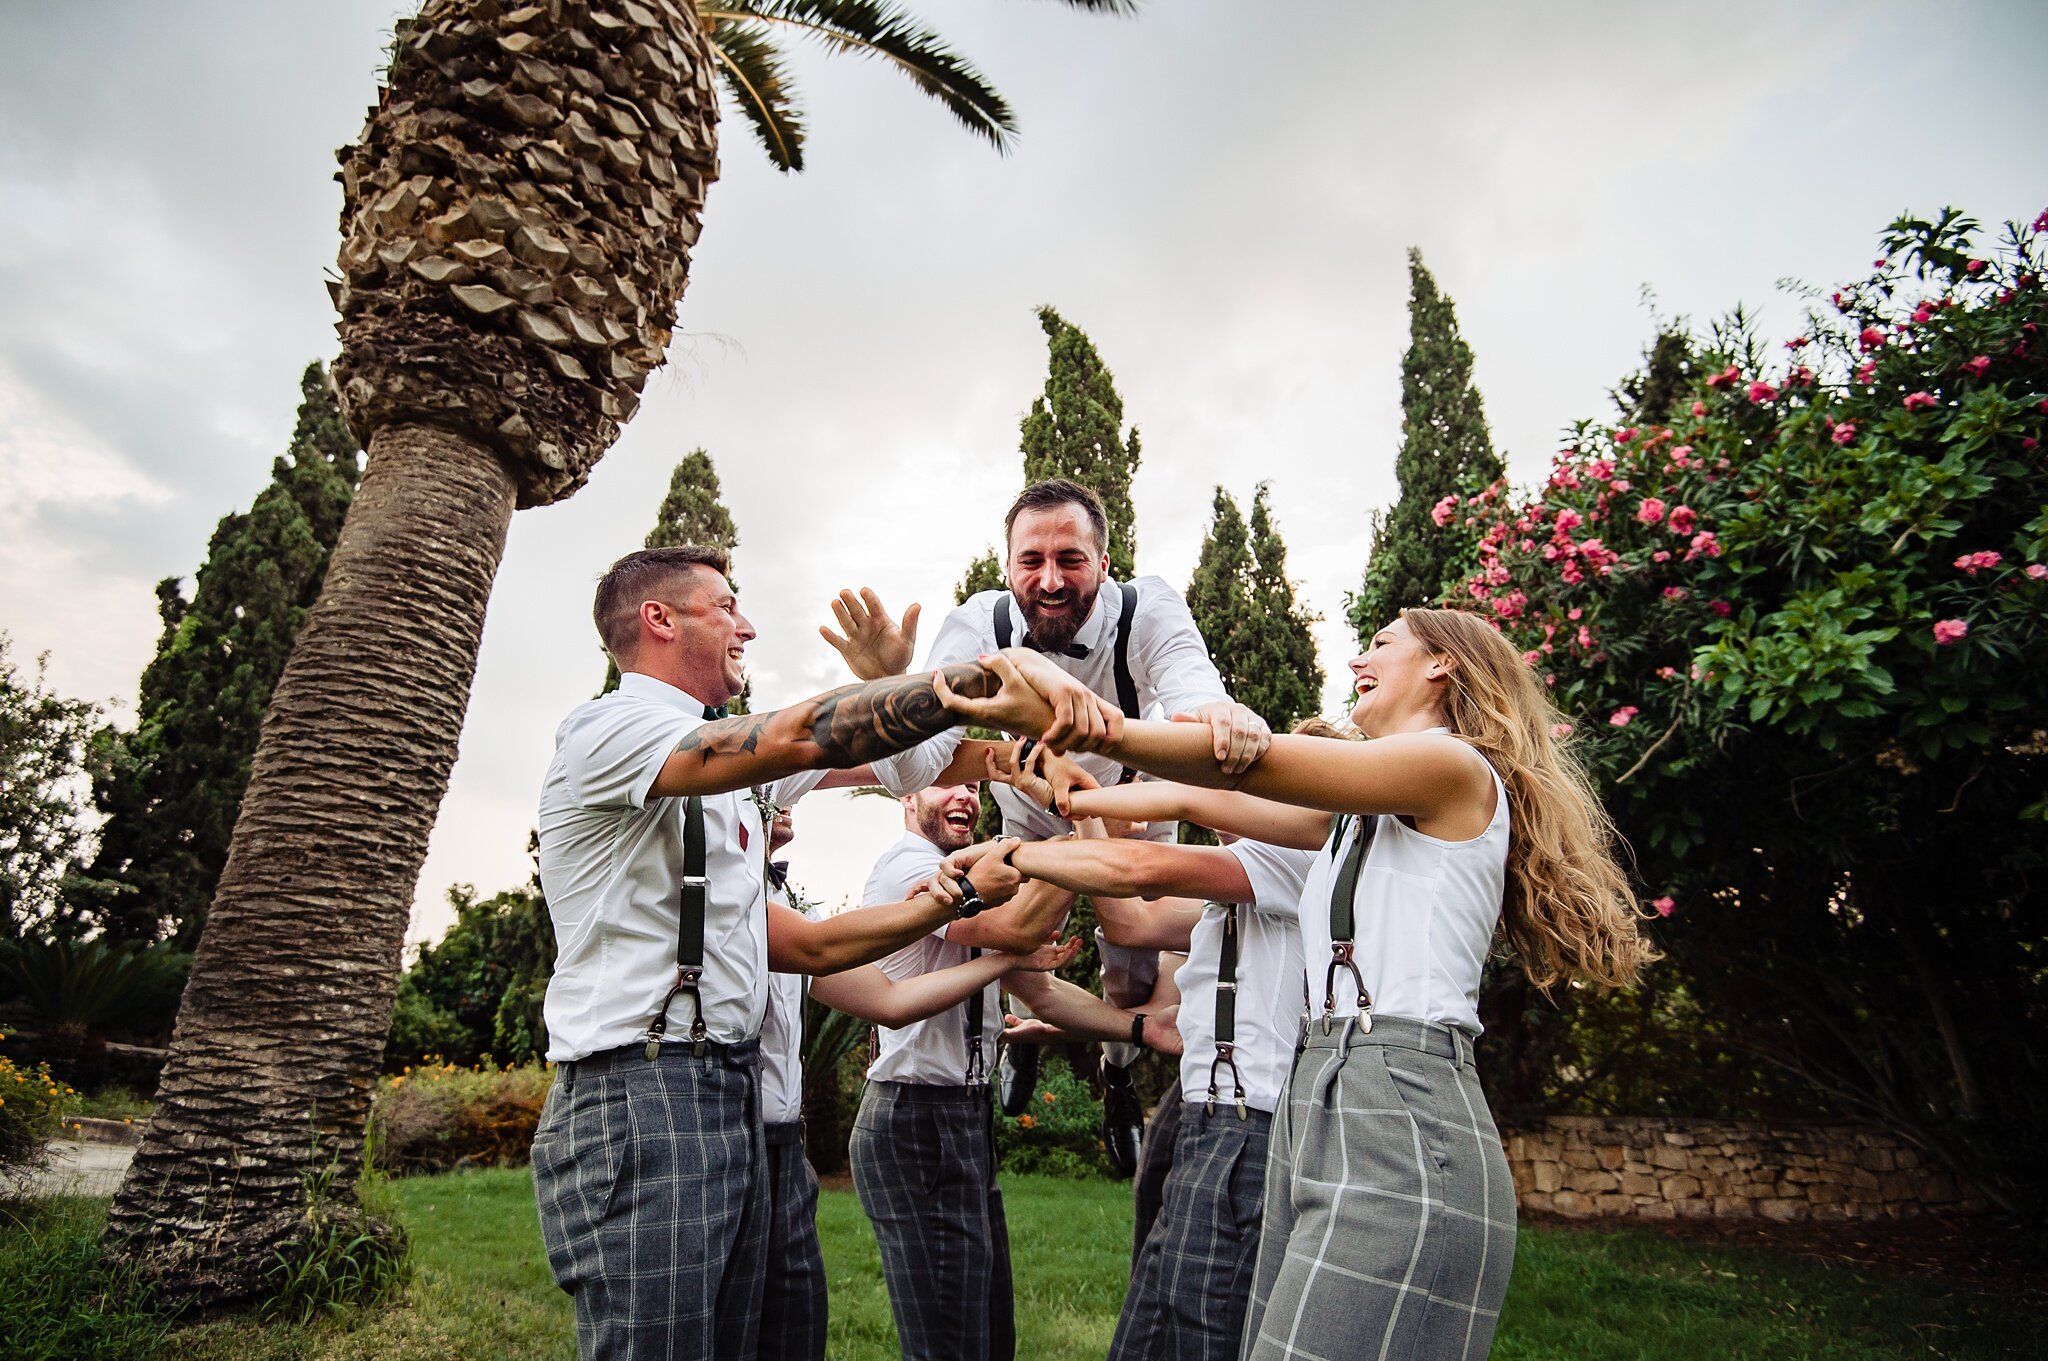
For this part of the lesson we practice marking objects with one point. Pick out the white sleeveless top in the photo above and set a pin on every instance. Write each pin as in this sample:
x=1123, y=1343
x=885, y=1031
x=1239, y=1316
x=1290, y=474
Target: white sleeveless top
x=1424, y=915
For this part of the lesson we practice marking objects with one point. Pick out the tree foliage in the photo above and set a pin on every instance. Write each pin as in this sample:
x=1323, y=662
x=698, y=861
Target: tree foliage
x=1801, y=629
x=1075, y=429
x=44, y=741
x=171, y=788
x=1418, y=550
x=1244, y=606
x=479, y=990
x=691, y=512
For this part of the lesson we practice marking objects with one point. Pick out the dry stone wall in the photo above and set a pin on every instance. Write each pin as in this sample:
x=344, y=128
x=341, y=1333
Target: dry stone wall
x=1645, y=1168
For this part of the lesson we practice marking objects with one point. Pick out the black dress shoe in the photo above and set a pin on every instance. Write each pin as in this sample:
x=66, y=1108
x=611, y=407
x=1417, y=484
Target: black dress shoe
x=1016, y=1078
x=1123, y=1120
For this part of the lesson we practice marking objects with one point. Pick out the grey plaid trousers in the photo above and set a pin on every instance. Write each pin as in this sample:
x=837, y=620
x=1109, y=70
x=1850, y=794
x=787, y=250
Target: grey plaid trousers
x=1194, y=1276
x=1155, y=1160
x=653, y=1191
x=924, y=1167
x=793, y=1311
x=1390, y=1217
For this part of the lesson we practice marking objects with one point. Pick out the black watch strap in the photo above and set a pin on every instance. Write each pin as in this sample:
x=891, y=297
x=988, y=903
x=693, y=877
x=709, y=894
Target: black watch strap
x=971, y=903
x=1138, y=1030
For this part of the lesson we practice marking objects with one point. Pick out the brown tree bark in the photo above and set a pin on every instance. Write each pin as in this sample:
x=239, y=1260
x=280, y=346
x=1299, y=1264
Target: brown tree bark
x=283, y=1023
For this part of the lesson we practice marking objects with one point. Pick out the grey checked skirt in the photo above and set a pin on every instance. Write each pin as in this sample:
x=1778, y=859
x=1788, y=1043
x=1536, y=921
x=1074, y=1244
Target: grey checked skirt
x=1390, y=1216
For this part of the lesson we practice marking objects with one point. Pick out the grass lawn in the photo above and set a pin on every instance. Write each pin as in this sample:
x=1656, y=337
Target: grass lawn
x=480, y=1289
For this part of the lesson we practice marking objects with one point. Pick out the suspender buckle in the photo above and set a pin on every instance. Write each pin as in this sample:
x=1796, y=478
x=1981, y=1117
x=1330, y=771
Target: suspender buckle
x=696, y=880
x=1341, y=957
x=687, y=978
x=1226, y=1052
x=977, y=1064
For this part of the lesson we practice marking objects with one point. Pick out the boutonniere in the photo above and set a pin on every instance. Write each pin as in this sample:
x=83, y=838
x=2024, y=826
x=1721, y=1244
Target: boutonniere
x=768, y=808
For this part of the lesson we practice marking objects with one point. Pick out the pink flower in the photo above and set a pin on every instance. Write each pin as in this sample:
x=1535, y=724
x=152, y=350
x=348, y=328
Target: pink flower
x=1947, y=631
x=1676, y=593
x=1622, y=484
x=1623, y=716
x=1797, y=343
x=1727, y=377
x=1681, y=455
x=1560, y=729
x=2029, y=442
x=1667, y=673
x=1721, y=607
x=1974, y=267
x=1665, y=906
x=1866, y=372
x=1973, y=563
x=1625, y=434
x=1532, y=656
x=1979, y=365
x=1703, y=543
x=1651, y=511
x=1845, y=433
x=1585, y=638
x=1568, y=520
x=1871, y=339
x=1920, y=401
x=1441, y=512
x=2041, y=223
x=1661, y=555
x=1699, y=408
x=2037, y=572
x=1923, y=314
x=1574, y=612
x=1683, y=518
x=1761, y=393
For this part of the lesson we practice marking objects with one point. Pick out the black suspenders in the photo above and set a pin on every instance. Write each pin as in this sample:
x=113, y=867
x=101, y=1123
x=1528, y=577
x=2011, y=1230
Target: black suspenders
x=1343, y=924
x=689, y=935
x=977, y=1062
x=1226, y=1013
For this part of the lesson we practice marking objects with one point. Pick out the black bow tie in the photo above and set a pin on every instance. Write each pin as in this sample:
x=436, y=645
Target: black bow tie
x=1074, y=650
x=712, y=711
x=778, y=873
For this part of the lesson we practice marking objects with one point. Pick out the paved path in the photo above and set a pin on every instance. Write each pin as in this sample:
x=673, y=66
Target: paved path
x=82, y=1169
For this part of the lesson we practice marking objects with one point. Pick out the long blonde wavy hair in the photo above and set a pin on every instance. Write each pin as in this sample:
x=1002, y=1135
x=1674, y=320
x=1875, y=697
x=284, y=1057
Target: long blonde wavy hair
x=1569, y=911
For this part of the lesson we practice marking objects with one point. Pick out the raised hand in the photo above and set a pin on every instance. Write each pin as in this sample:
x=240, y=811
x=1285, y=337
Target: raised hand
x=1162, y=1030
x=874, y=645
x=1038, y=699
x=1241, y=736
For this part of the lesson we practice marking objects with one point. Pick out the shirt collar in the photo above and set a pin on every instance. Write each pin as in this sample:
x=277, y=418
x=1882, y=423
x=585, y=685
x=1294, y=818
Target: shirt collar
x=660, y=691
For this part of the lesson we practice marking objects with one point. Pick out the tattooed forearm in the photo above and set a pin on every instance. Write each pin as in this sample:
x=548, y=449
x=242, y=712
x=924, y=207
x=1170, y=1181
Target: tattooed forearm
x=739, y=735
x=863, y=722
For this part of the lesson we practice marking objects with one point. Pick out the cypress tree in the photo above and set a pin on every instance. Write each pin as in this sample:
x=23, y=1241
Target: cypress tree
x=1244, y=606
x=985, y=573
x=1445, y=451
x=690, y=513
x=171, y=789
x=1075, y=430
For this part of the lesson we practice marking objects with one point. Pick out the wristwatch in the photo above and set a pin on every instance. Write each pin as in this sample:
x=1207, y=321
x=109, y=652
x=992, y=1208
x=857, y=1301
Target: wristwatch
x=971, y=903
x=1138, y=1030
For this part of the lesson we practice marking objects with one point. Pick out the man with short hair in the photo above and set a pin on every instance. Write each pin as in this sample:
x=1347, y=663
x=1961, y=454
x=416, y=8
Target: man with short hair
x=1134, y=644
x=649, y=1163
x=923, y=1146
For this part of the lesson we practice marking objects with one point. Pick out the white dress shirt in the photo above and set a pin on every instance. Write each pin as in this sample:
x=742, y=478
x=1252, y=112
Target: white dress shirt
x=1423, y=920
x=1268, y=983
x=611, y=864
x=782, y=1043
x=931, y=1052
x=1169, y=664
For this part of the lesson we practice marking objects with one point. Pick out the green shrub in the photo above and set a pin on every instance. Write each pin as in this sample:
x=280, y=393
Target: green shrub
x=1059, y=1135
x=439, y=1116
x=31, y=1111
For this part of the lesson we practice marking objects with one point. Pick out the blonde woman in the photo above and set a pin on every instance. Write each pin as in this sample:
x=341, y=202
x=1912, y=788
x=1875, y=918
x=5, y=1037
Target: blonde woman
x=1389, y=1213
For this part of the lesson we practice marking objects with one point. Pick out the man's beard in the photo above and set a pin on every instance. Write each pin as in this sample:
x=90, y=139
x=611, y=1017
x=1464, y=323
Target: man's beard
x=1054, y=632
x=932, y=825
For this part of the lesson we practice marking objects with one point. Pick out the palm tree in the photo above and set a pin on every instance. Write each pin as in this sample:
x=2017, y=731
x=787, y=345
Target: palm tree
x=517, y=221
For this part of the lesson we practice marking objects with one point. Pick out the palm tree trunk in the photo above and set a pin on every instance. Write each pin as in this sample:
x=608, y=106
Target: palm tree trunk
x=283, y=1022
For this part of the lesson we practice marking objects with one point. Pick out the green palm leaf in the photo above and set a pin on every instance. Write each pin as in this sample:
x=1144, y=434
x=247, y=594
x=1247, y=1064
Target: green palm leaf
x=872, y=28
x=753, y=73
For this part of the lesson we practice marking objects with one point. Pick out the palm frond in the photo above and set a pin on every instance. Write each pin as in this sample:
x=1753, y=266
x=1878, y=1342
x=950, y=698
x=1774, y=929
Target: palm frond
x=1104, y=6
x=753, y=73
x=875, y=28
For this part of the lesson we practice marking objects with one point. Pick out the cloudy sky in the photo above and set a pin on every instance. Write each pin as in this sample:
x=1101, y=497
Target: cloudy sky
x=1221, y=194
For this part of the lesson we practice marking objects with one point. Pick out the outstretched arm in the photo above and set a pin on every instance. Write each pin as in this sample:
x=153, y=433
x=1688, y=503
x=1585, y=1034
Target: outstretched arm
x=843, y=727
x=1136, y=924
x=796, y=944
x=1136, y=869
x=872, y=995
x=1068, y=1012
x=1060, y=785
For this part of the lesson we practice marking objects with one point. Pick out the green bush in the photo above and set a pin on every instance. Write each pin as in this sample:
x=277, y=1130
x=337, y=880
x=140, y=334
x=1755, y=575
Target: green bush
x=439, y=1116
x=1059, y=1135
x=31, y=1110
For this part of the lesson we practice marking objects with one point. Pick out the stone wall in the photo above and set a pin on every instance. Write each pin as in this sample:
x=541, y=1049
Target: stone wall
x=1645, y=1168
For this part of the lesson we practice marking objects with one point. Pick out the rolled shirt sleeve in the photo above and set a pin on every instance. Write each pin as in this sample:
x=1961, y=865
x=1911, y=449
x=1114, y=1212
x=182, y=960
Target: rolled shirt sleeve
x=962, y=638
x=611, y=758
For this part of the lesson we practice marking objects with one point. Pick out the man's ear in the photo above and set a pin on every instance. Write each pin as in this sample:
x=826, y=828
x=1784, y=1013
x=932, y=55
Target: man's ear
x=657, y=619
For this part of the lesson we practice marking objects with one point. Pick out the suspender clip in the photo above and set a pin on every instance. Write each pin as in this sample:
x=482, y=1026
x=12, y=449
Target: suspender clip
x=977, y=1064
x=1341, y=957
x=1226, y=1052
